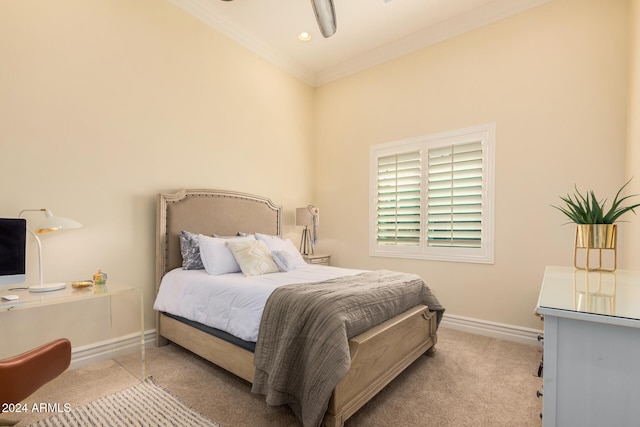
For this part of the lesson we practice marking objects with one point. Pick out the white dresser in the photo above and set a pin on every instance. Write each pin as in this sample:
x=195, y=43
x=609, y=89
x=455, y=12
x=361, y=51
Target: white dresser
x=591, y=347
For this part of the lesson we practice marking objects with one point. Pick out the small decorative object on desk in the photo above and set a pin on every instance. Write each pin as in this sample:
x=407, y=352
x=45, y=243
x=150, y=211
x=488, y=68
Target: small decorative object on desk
x=100, y=278
x=82, y=284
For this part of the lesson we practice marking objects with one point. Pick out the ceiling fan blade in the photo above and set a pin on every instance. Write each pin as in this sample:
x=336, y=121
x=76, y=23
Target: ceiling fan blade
x=326, y=16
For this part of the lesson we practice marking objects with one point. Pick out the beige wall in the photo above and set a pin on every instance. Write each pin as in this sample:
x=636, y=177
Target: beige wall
x=632, y=237
x=553, y=79
x=105, y=103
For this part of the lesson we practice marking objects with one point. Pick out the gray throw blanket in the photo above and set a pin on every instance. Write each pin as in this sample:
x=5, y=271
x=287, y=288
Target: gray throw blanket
x=302, y=351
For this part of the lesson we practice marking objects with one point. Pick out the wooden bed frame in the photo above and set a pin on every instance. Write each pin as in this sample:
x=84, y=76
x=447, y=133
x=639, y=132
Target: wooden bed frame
x=377, y=355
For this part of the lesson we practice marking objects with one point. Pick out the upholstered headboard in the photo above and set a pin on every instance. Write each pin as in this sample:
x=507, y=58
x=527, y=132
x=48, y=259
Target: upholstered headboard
x=209, y=212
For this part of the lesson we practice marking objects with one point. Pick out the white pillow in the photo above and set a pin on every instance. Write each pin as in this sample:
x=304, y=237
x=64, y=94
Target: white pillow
x=292, y=260
x=268, y=239
x=253, y=257
x=217, y=258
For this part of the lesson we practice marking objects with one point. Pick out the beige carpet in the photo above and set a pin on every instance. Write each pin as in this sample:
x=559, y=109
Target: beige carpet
x=471, y=381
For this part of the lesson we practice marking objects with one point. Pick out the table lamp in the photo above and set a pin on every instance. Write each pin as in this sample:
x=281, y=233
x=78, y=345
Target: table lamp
x=51, y=223
x=308, y=217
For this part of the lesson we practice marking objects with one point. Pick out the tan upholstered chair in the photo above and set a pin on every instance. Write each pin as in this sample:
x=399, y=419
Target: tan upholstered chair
x=22, y=375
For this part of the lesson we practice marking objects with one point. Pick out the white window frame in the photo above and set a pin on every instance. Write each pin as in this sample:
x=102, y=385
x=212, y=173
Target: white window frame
x=485, y=253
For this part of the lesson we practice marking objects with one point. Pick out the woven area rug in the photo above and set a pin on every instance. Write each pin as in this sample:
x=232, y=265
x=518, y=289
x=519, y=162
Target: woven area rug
x=146, y=404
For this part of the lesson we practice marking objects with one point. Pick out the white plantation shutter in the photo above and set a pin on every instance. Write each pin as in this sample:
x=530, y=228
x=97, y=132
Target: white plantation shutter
x=431, y=197
x=399, y=201
x=454, y=196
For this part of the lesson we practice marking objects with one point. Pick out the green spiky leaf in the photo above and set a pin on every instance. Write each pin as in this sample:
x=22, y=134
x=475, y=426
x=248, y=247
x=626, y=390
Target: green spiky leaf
x=587, y=209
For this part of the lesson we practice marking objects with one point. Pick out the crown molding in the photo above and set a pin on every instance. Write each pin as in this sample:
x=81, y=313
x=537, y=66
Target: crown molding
x=451, y=28
x=243, y=38
x=477, y=18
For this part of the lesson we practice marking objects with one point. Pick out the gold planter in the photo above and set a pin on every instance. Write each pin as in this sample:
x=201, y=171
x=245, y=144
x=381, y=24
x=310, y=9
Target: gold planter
x=595, y=237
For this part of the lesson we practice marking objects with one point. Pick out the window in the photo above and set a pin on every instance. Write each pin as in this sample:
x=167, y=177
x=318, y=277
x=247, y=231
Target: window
x=432, y=197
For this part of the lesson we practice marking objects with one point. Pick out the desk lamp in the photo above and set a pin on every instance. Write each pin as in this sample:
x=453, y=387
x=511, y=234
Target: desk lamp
x=51, y=223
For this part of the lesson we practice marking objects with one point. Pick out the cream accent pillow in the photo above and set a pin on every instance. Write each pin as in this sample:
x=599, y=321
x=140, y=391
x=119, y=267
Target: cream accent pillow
x=253, y=257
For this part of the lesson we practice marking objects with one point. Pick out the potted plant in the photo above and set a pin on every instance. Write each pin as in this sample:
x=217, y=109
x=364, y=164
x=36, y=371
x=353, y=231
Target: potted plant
x=596, y=228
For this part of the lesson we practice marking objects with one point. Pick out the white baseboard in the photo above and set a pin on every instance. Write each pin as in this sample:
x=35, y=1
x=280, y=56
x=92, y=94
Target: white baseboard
x=127, y=344
x=491, y=329
x=105, y=350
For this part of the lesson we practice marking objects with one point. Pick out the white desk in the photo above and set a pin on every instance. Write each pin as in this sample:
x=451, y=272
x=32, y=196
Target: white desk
x=92, y=318
x=591, y=347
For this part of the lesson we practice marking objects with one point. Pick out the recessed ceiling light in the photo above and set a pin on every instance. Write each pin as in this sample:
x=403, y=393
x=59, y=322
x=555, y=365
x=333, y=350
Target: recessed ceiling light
x=304, y=36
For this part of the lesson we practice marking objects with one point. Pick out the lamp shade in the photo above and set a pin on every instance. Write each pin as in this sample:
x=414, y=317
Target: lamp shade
x=304, y=217
x=55, y=223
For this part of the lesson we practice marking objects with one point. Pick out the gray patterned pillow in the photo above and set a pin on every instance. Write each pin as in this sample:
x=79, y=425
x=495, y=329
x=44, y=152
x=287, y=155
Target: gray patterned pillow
x=190, y=249
x=284, y=260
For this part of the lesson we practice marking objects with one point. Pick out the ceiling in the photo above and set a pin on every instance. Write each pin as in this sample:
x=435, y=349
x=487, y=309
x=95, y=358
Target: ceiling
x=368, y=31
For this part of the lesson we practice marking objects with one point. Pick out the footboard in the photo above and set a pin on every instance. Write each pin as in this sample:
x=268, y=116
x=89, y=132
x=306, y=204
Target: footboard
x=377, y=357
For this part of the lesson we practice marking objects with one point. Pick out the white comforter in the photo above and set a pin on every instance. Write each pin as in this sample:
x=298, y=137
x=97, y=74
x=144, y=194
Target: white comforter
x=231, y=302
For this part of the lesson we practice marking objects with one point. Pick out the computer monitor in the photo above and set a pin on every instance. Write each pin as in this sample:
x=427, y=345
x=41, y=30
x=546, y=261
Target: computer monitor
x=13, y=249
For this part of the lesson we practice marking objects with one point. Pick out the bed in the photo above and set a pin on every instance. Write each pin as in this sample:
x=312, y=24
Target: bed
x=375, y=356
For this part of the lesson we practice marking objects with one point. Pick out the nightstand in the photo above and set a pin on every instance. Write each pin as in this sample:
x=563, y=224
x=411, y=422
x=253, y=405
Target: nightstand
x=319, y=259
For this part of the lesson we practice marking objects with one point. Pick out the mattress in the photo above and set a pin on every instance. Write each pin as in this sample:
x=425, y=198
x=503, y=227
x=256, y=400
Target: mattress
x=232, y=303
x=247, y=345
